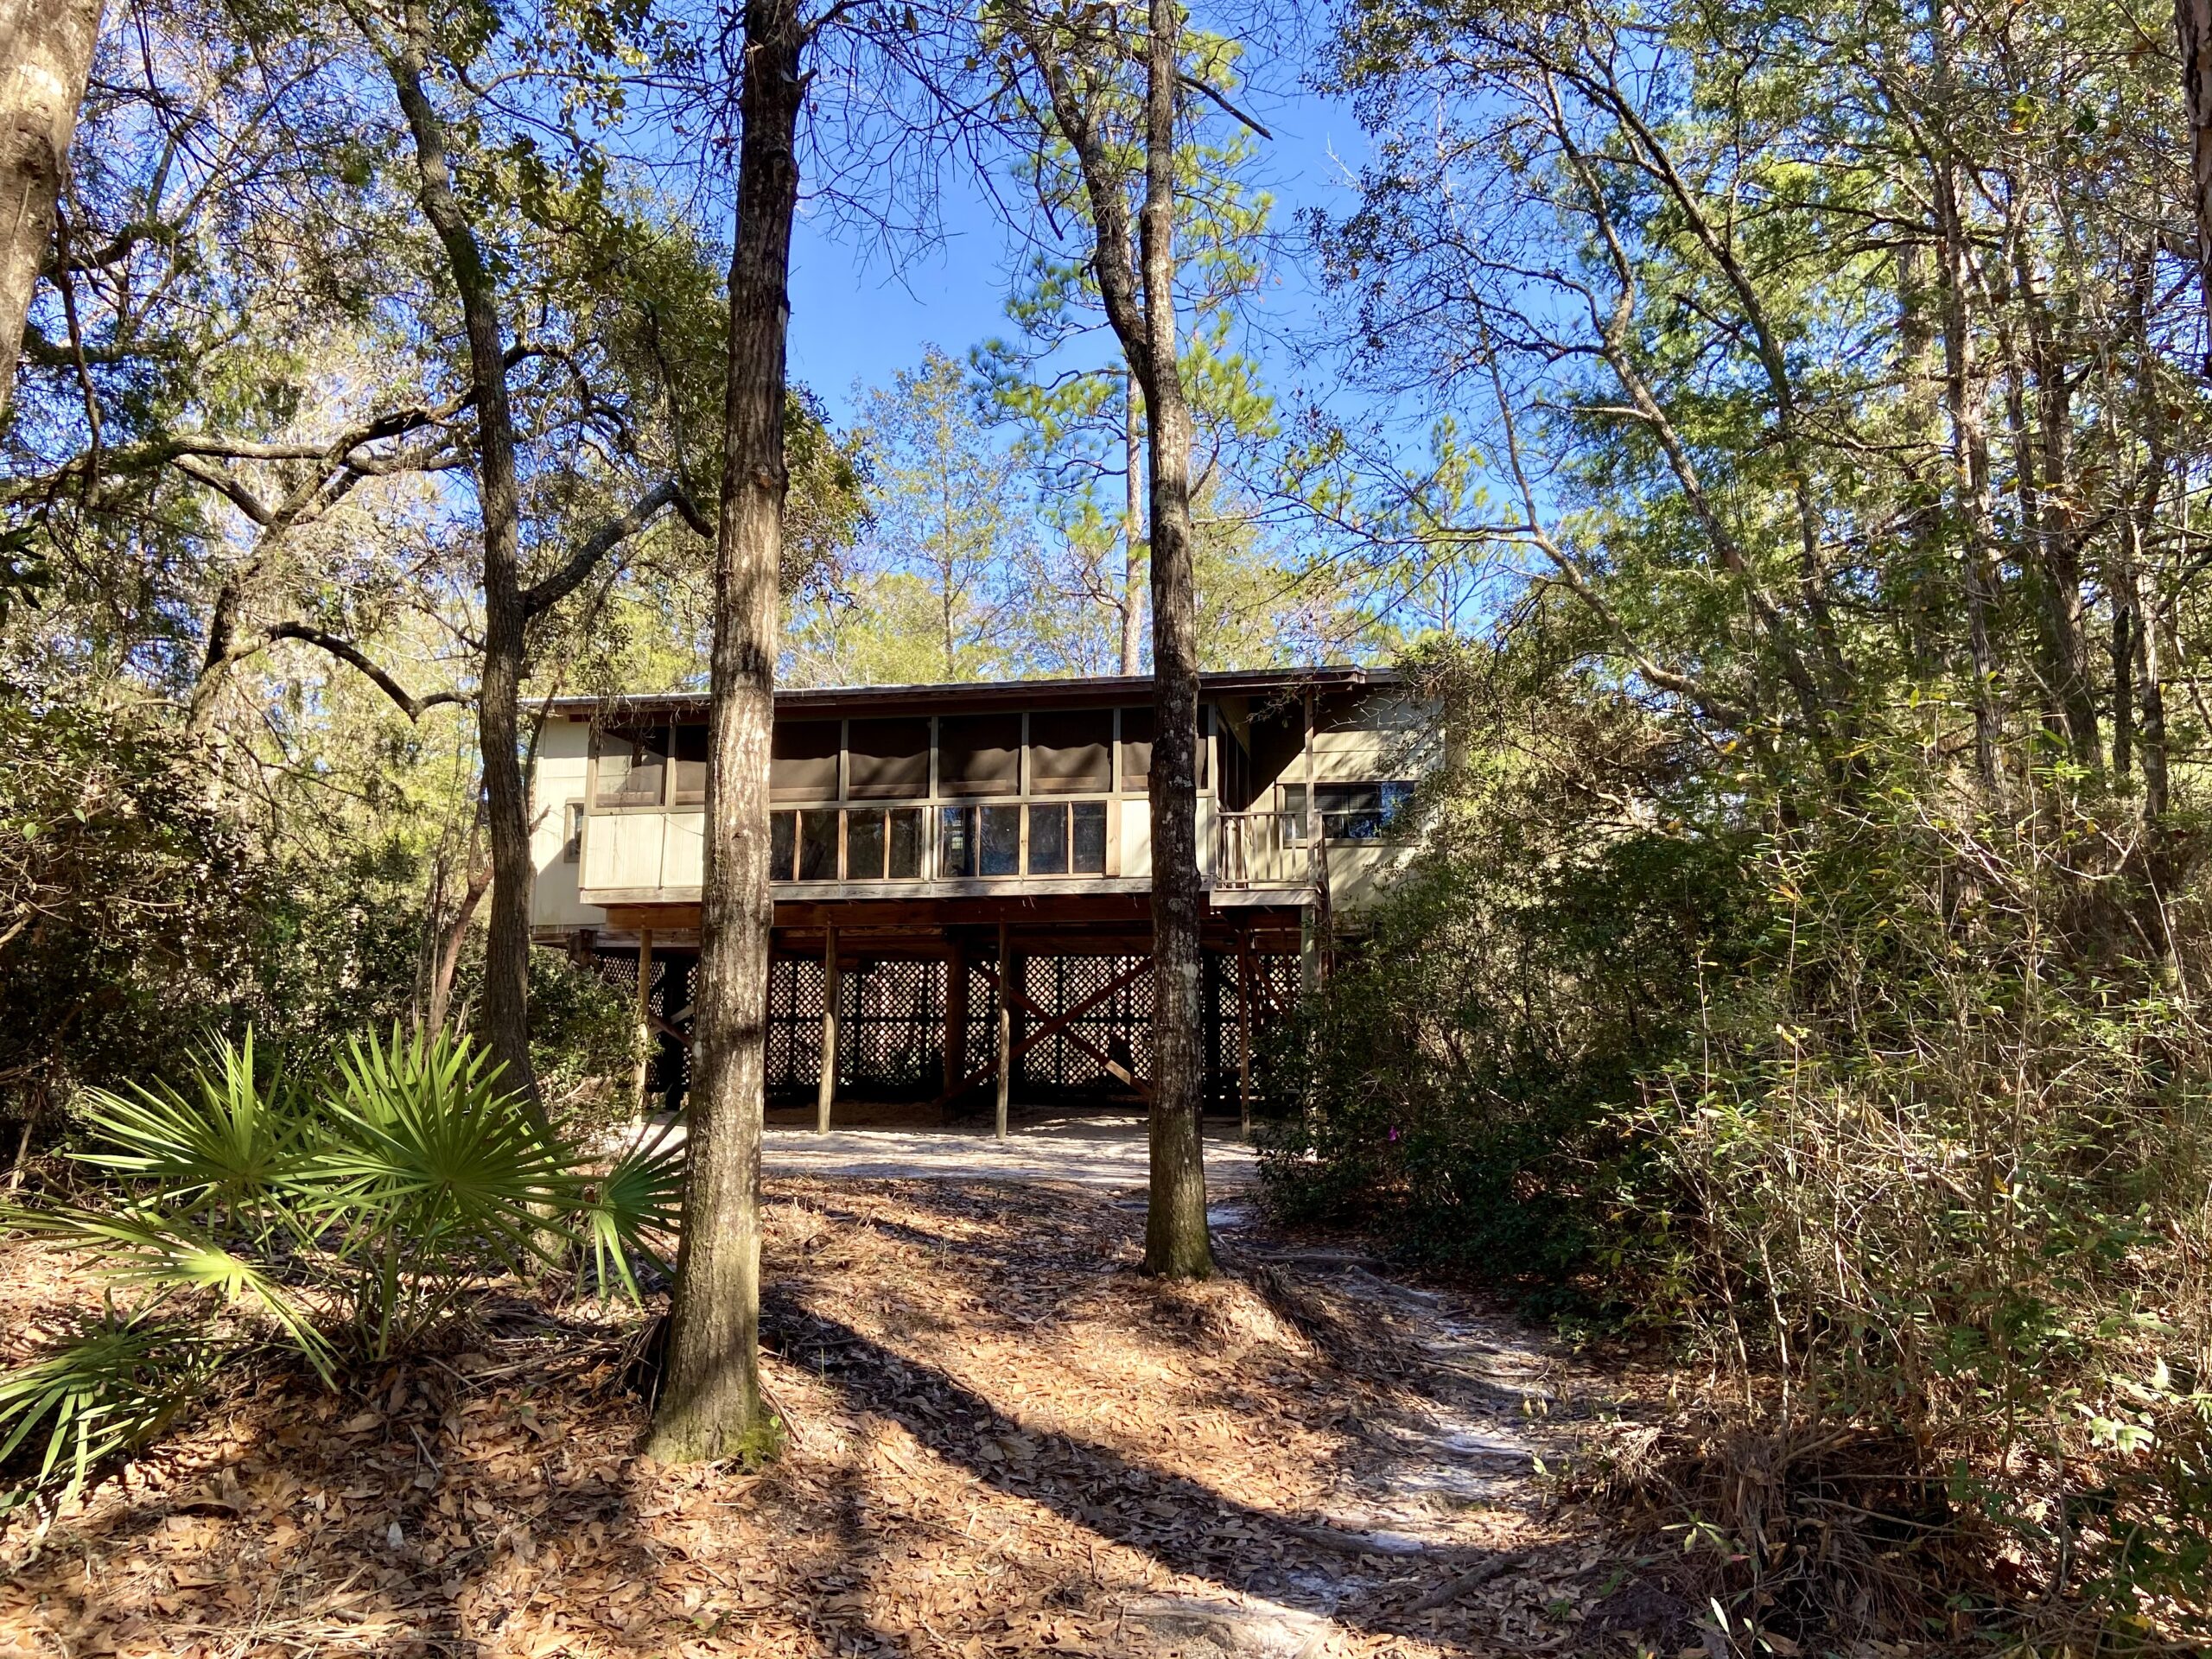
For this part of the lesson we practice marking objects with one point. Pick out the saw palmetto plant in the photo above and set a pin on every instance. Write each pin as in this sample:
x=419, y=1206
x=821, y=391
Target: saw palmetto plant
x=346, y=1221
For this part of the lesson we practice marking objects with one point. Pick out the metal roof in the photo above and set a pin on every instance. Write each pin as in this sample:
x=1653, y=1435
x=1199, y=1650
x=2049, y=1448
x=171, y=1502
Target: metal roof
x=1103, y=690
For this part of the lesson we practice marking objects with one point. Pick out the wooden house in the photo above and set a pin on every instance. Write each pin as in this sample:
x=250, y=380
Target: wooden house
x=933, y=843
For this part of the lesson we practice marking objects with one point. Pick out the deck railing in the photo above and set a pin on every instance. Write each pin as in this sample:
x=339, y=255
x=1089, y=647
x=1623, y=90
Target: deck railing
x=1261, y=849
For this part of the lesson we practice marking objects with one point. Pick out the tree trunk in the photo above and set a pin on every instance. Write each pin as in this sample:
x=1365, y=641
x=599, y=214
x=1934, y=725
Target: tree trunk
x=710, y=1403
x=1966, y=401
x=2193, y=30
x=506, y=945
x=1175, y=1242
x=46, y=47
x=1142, y=315
x=1132, y=559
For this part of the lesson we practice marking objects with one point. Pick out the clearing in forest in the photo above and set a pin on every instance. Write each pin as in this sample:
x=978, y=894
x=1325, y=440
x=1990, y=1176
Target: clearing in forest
x=1002, y=1440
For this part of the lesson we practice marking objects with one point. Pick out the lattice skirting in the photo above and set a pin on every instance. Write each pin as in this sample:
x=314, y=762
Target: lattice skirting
x=893, y=1025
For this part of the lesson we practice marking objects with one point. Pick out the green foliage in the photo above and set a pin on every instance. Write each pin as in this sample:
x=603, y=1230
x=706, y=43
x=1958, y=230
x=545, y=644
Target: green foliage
x=1544, y=953
x=106, y=1390
x=351, y=1220
x=122, y=895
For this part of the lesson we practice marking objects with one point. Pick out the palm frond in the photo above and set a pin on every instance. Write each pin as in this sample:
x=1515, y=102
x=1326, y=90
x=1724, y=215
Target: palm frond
x=142, y=1246
x=424, y=1138
x=232, y=1140
x=641, y=1194
x=112, y=1387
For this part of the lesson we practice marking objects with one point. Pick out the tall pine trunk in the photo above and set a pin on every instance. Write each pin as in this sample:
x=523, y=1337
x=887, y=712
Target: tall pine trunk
x=710, y=1402
x=506, y=1008
x=1132, y=559
x=1175, y=1242
x=45, y=59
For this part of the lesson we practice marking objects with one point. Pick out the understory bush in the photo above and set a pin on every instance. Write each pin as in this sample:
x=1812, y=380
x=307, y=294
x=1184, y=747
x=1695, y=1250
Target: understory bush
x=1893, y=1122
x=348, y=1219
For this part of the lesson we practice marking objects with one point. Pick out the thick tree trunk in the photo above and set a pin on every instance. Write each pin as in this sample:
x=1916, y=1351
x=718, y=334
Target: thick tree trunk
x=506, y=946
x=45, y=49
x=1175, y=1242
x=710, y=1402
x=2193, y=31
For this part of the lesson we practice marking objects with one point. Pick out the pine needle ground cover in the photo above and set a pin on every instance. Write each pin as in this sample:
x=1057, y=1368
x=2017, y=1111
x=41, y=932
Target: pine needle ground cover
x=1002, y=1440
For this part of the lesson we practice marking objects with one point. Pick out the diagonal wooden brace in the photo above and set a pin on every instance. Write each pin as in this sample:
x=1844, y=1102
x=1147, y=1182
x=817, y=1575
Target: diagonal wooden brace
x=1057, y=1025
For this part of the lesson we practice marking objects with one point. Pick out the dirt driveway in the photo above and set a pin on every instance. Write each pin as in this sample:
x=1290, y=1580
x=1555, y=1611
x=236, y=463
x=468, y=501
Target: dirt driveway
x=1102, y=1156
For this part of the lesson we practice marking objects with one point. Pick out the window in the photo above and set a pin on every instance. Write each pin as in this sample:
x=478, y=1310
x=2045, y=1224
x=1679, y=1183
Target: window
x=905, y=850
x=632, y=767
x=1000, y=840
x=864, y=847
x=979, y=754
x=1072, y=752
x=690, y=765
x=817, y=846
x=803, y=760
x=889, y=761
x=975, y=841
x=1349, y=811
x=1068, y=840
x=782, y=846
x=882, y=846
x=1048, y=841
x=572, y=832
x=1087, y=838
x=955, y=847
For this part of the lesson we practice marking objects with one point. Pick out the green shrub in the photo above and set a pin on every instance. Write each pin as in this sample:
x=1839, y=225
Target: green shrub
x=349, y=1221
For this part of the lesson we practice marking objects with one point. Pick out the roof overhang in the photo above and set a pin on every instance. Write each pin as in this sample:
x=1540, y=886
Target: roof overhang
x=1105, y=691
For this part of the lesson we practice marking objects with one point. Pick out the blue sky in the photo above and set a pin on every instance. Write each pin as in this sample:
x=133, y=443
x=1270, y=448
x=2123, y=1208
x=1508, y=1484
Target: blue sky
x=856, y=319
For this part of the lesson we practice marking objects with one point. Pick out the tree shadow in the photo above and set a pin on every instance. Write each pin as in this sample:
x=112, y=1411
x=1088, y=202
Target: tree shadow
x=1183, y=1525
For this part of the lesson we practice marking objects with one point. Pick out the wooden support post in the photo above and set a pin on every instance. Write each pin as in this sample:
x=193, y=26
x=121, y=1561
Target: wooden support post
x=1005, y=1028
x=1244, y=1036
x=955, y=1018
x=648, y=1037
x=826, y=1090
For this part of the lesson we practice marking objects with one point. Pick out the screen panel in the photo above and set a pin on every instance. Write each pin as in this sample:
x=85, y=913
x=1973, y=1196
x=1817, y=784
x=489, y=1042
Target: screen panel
x=803, y=760
x=979, y=754
x=1071, y=752
x=889, y=761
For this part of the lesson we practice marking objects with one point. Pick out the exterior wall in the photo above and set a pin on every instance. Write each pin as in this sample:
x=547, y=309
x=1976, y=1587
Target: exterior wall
x=564, y=758
x=654, y=854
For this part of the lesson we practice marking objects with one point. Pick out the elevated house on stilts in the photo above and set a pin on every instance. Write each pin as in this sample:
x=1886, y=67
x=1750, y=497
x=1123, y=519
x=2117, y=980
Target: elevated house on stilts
x=963, y=872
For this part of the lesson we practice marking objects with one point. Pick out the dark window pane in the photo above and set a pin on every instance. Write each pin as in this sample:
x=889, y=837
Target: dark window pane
x=817, y=846
x=1136, y=747
x=632, y=767
x=1000, y=853
x=691, y=765
x=1087, y=851
x=979, y=754
x=1048, y=840
x=1397, y=809
x=890, y=760
x=783, y=845
x=1070, y=752
x=906, y=844
x=1349, y=811
x=803, y=760
x=955, y=852
x=863, y=846
x=1293, y=814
